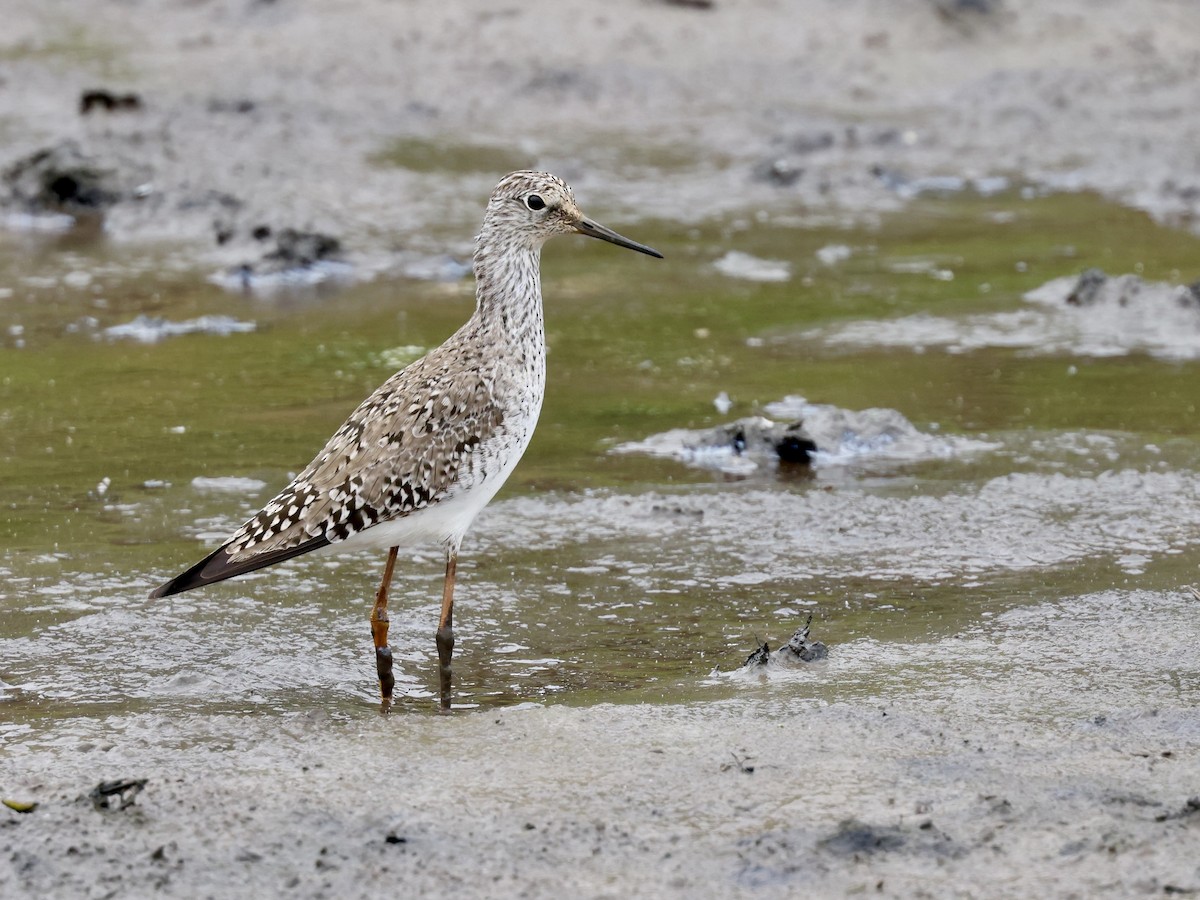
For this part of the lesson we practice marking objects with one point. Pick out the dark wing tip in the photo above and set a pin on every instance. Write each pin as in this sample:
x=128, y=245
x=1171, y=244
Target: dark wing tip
x=217, y=566
x=206, y=571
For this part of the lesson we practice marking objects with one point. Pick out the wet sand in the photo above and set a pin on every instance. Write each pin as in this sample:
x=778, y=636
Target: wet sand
x=1050, y=751
x=940, y=773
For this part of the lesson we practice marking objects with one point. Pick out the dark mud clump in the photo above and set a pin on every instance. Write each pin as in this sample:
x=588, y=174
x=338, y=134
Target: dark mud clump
x=290, y=253
x=59, y=179
x=759, y=436
x=298, y=249
x=1096, y=287
x=108, y=101
x=117, y=794
x=860, y=840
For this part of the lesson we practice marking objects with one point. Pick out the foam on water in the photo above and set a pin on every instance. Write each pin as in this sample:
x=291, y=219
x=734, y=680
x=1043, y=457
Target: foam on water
x=1129, y=316
x=233, y=484
x=736, y=264
x=246, y=280
x=151, y=329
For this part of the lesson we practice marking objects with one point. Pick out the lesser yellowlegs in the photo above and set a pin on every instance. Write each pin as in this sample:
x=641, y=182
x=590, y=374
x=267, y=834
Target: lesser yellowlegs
x=421, y=457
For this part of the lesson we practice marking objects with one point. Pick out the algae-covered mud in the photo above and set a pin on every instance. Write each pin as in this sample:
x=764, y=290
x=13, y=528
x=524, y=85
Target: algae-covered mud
x=998, y=537
x=994, y=544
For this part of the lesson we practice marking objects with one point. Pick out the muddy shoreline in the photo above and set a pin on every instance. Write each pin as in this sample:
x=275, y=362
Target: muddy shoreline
x=1050, y=748
x=924, y=786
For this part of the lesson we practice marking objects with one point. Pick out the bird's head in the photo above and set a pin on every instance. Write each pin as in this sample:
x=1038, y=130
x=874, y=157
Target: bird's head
x=534, y=206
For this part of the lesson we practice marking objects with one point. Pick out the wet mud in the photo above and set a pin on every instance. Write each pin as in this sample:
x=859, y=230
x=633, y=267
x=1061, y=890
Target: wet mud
x=946, y=771
x=953, y=241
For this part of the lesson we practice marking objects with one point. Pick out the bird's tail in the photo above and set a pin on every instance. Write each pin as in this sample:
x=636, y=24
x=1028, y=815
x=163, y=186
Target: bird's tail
x=218, y=566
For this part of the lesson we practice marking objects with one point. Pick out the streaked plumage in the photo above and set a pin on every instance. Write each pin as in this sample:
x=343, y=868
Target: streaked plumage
x=420, y=457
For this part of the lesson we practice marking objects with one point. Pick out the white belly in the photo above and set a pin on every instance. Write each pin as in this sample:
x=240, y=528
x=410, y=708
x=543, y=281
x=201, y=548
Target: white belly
x=446, y=521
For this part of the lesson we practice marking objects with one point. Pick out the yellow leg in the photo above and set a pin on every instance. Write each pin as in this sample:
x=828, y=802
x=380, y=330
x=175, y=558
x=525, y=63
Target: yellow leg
x=379, y=633
x=445, y=631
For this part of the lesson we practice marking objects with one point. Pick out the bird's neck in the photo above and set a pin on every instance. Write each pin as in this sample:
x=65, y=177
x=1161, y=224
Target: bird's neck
x=508, y=287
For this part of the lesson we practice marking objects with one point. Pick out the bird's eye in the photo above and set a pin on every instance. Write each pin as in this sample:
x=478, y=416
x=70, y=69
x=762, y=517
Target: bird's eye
x=533, y=201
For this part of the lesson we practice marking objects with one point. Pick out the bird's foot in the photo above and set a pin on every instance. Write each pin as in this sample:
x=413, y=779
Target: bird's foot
x=383, y=665
x=445, y=648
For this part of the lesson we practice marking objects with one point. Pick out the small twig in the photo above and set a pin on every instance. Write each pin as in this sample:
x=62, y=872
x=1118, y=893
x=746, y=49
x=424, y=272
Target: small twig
x=125, y=791
x=739, y=763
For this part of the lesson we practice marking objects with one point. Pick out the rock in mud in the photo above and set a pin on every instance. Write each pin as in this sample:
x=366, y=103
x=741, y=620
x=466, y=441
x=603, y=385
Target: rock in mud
x=1087, y=289
x=781, y=172
x=760, y=657
x=800, y=431
x=760, y=436
x=293, y=257
x=800, y=648
x=1096, y=288
x=118, y=794
x=297, y=249
x=737, y=448
x=108, y=101
x=60, y=179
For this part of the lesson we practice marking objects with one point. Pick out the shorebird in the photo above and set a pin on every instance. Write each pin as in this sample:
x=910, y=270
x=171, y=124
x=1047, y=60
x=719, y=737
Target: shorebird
x=421, y=457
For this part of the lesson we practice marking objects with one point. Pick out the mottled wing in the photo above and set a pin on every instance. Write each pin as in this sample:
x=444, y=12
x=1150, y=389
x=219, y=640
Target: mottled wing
x=408, y=446
x=405, y=448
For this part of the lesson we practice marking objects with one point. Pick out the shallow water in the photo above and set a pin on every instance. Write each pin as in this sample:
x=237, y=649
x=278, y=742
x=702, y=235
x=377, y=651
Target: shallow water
x=594, y=576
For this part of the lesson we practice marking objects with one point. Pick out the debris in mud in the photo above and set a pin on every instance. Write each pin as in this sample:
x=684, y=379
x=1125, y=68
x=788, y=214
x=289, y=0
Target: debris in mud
x=118, y=794
x=20, y=806
x=1095, y=287
x=108, y=101
x=760, y=657
x=781, y=172
x=297, y=249
x=798, y=649
x=854, y=838
x=859, y=839
x=813, y=434
x=296, y=258
x=736, y=448
x=1087, y=289
x=758, y=435
x=240, y=106
x=1189, y=809
x=741, y=763
x=801, y=648
x=60, y=179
